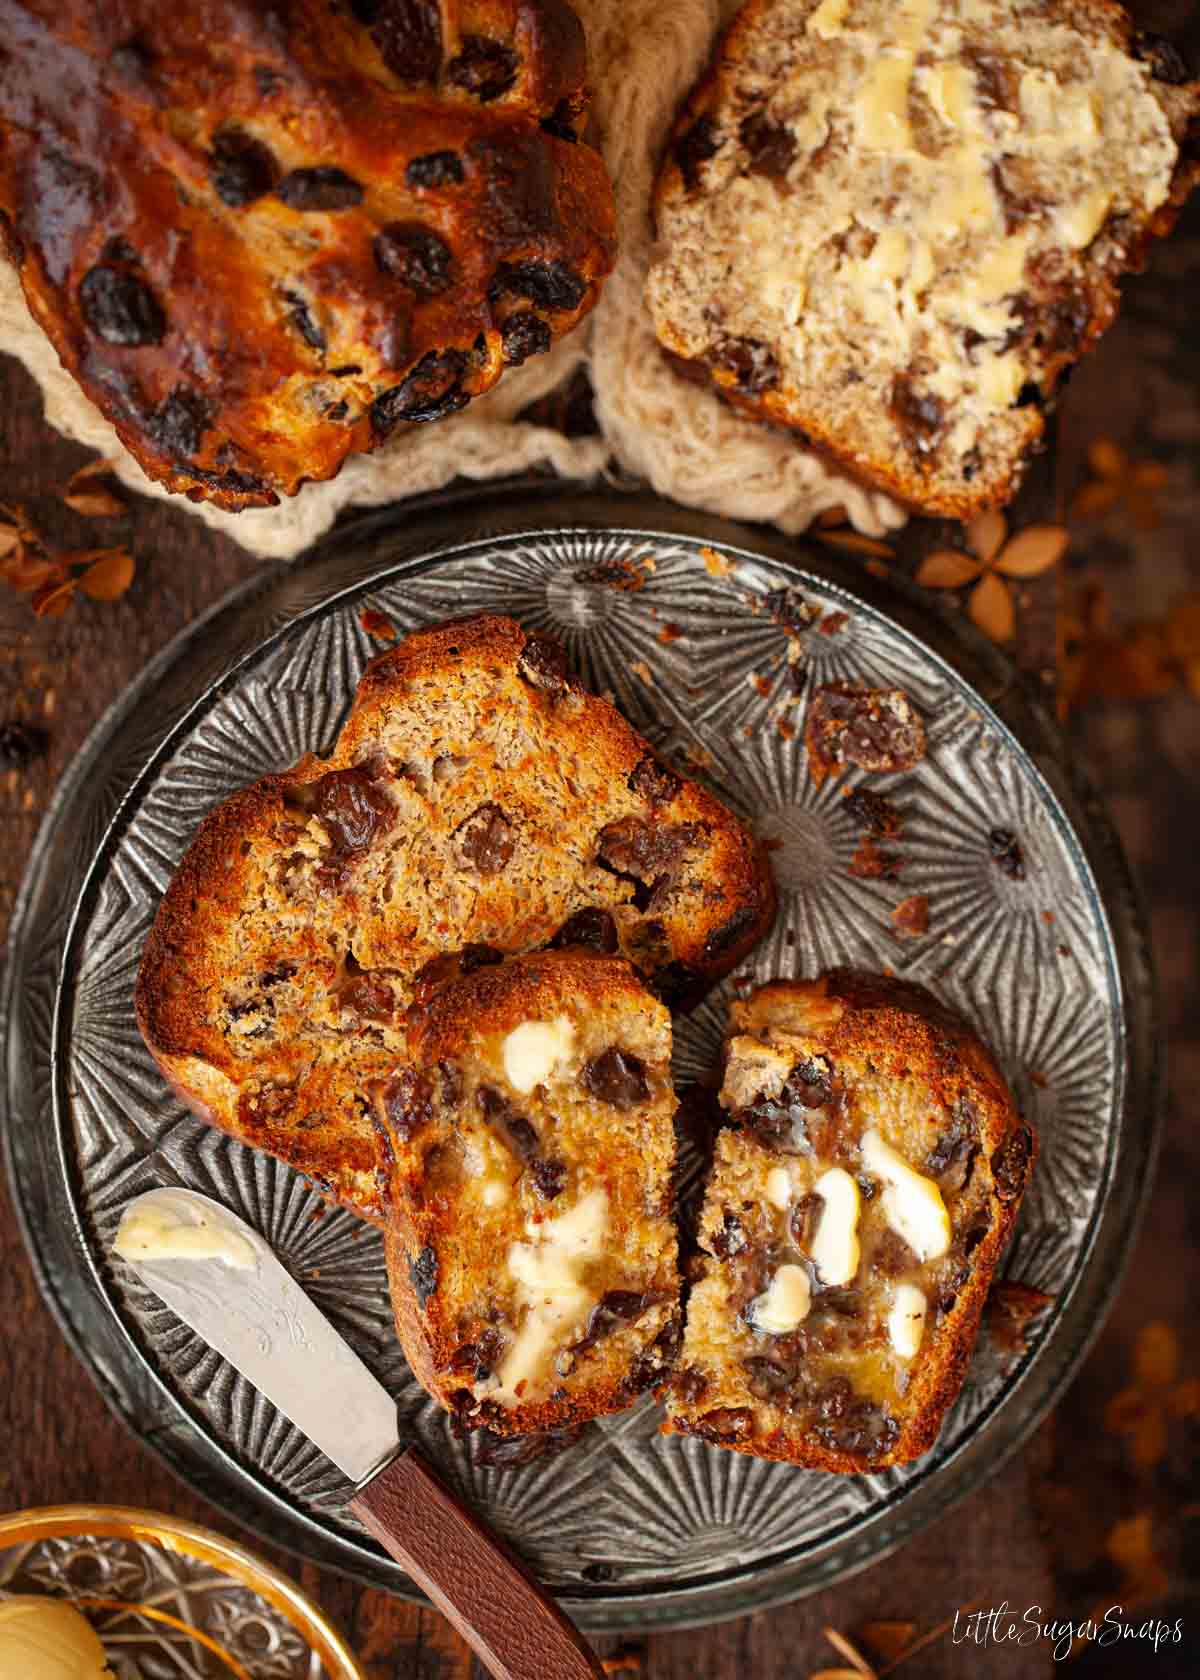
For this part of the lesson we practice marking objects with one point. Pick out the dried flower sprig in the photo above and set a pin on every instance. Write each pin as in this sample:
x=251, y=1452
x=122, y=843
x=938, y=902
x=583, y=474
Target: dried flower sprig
x=992, y=558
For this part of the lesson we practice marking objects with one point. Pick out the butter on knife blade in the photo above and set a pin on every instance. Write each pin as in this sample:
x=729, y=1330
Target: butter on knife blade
x=169, y=1225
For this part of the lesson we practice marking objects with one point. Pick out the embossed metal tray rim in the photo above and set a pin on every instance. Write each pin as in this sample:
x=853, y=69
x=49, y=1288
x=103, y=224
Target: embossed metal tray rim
x=204, y=662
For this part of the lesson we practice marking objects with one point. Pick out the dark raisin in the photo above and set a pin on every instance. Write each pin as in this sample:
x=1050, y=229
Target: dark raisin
x=434, y=169
x=1030, y=396
x=483, y=67
x=430, y=392
x=920, y=416
x=543, y=664
x=492, y=1451
x=592, y=930
x=415, y=256
x=874, y=812
x=1006, y=853
x=451, y=1080
x=803, y=1219
x=304, y=321
x=878, y=729
x=616, y=1077
x=850, y=1423
x=179, y=423
x=547, y=285
x=408, y=34
x=652, y=780
x=562, y=120
x=370, y=998
x=549, y=1178
x=1167, y=63
x=772, y=148
x=790, y=610
x=322, y=188
x=519, y=1134
x=133, y=60
x=617, y=1306
x=694, y=147
x=891, y=1256
x=423, y=1273
x=729, y=1238
x=751, y=362
x=1010, y=1164
x=690, y=1385
x=477, y=955
x=21, y=743
x=265, y=1107
x=677, y=985
x=407, y=1099
x=119, y=308
x=353, y=809
x=240, y=167
x=726, y=938
x=767, y=1380
x=523, y=335
x=780, y=1122
x=643, y=850
x=486, y=839
x=727, y=1423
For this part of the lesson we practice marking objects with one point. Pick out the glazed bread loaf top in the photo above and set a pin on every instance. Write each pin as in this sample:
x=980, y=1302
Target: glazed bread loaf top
x=263, y=237
x=477, y=797
x=892, y=224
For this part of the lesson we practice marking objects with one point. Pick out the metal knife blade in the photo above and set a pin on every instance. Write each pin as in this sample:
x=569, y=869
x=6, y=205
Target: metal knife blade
x=259, y=1318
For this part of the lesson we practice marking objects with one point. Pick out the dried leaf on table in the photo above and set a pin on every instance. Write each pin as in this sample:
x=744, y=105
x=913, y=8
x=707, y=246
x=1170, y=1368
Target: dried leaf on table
x=986, y=533
x=887, y=1641
x=945, y=568
x=94, y=503
x=1183, y=628
x=1130, y=1545
x=1118, y=479
x=53, y=598
x=846, y=1648
x=109, y=574
x=991, y=608
x=1033, y=551
x=1156, y=1355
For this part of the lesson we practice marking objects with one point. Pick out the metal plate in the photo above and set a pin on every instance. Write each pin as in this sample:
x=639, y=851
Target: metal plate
x=631, y=1528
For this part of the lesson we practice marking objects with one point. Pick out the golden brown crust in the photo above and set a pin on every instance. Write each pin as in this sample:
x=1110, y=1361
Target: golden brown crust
x=442, y=1236
x=274, y=981
x=262, y=240
x=906, y=1036
x=716, y=97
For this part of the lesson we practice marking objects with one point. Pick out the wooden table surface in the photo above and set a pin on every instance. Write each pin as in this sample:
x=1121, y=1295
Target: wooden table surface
x=60, y=1444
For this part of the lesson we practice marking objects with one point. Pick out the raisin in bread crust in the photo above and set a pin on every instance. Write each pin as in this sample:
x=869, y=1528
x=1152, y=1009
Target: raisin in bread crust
x=260, y=241
x=931, y=385
x=476, y=796
x=475, y=1164
x=929, y=1086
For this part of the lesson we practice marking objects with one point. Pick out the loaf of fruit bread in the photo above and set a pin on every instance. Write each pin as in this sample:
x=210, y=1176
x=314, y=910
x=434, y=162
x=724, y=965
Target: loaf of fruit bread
x=861, y=1196
x=478, y=801
x=895, y=224
x=527, y=1161
x=264, y=237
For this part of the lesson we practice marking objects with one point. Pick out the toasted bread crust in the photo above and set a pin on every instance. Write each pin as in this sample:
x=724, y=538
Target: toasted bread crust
x=437, y=1211
x=718, y=99
x=908, y=1037
x=274, y=982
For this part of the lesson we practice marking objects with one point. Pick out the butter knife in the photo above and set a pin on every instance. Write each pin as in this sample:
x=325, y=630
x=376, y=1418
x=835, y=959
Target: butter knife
x=222, y=1279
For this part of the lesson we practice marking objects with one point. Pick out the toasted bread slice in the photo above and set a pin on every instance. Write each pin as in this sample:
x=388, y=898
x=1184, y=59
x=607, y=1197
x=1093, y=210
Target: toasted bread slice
x=894, y=225
x=859, y=1202
x=477, y=801
x=529, y=1147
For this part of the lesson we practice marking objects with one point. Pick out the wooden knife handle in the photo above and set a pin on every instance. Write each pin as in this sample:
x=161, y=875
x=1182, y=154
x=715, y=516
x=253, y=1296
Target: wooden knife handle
x=515, y=1628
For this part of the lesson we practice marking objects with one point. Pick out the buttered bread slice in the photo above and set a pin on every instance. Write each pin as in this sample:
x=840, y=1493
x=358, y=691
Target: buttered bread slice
x=894, y=224
x=478, y=801
x=860, y=1199
x=528, y=1152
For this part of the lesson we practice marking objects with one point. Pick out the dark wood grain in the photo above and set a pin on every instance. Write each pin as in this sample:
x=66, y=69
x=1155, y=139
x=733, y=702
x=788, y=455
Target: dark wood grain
x=516, y=1629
